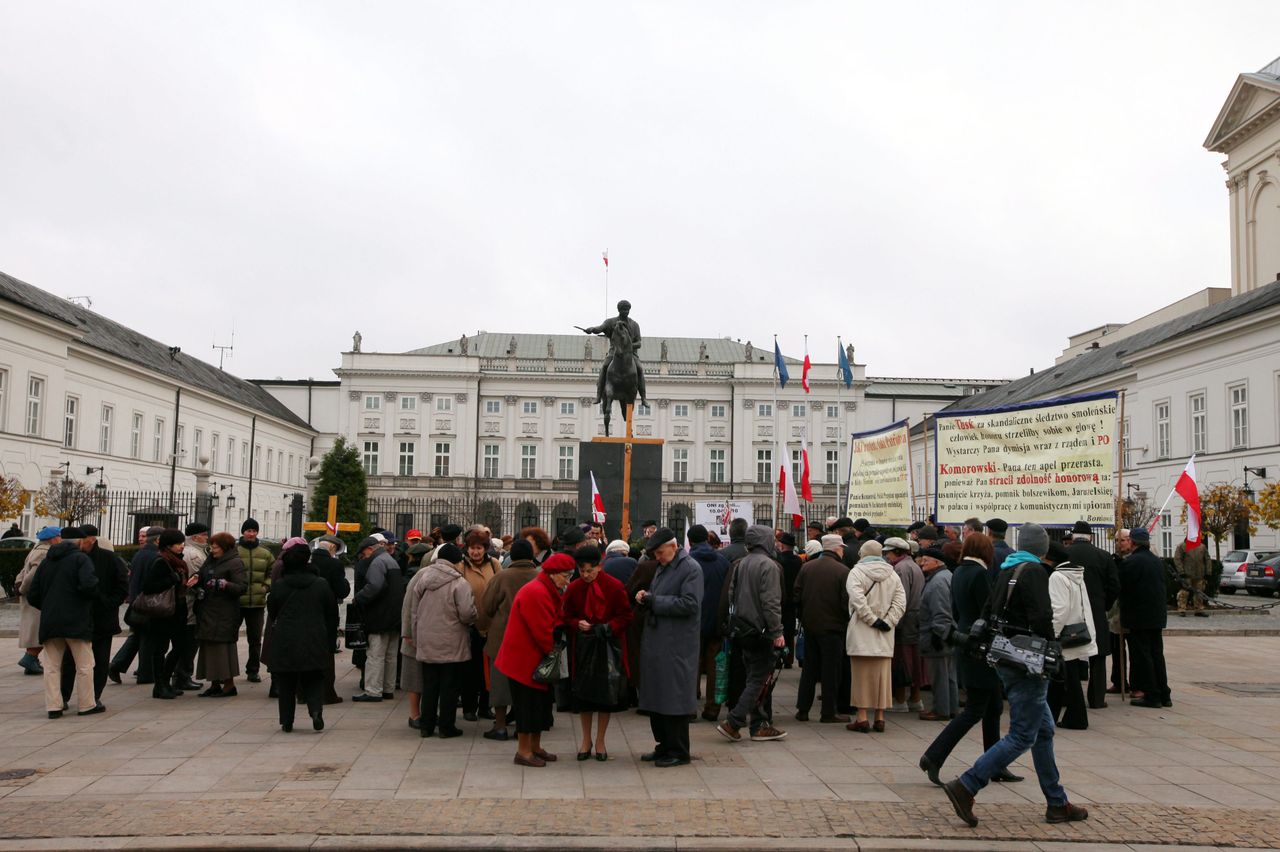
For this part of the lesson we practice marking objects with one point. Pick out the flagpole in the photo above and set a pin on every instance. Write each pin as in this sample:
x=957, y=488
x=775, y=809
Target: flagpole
x=606, y=281
x=774, y=485
x=839, y=512
x=1156, y=520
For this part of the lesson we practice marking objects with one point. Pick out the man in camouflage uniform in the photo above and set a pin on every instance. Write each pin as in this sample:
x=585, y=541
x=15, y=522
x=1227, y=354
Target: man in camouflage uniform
x=1192, y=565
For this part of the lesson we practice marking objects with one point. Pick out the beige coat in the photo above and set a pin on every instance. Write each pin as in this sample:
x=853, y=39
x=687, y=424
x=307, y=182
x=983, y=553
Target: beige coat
x=29, y=616
x=875, y=592
x=443, y=611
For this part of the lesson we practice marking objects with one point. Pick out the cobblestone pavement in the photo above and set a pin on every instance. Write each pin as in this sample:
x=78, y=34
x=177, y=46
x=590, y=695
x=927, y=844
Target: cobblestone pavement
x=1205, y=771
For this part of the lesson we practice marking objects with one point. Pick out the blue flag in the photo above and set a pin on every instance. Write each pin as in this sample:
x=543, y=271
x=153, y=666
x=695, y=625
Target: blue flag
x=846, y=371
x=783, y=375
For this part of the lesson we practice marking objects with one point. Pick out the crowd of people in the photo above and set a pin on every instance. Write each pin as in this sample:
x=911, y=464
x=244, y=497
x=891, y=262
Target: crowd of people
x=511, y=630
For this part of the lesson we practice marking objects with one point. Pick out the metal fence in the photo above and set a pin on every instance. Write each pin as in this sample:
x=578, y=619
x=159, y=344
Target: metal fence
x=505, y=514
x=123, y=513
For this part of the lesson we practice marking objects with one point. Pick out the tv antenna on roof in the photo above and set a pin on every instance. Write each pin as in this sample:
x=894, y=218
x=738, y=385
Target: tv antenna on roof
x=226, y=351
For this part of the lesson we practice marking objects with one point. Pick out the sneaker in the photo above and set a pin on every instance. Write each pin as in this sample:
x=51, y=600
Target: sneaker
x=899, y=708
x=915, y=706
x=767, y=733
x=1065, y=813
x=729, y=731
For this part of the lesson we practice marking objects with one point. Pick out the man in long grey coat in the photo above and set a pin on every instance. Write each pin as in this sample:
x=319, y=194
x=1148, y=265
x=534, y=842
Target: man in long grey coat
x=672, y=609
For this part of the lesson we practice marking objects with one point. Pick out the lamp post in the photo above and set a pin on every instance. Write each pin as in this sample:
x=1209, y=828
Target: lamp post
x=99, y=490
x=1260, y=472
x=62, y=474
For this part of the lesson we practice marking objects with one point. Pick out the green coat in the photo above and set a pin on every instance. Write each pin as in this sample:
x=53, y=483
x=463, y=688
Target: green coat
x=257, y=570
x=1192, y=564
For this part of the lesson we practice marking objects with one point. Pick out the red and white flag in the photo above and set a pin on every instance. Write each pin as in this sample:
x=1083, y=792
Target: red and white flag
x=1190, y=492
x=806, y=488
x=790, y=503
x=728, y=514
x=597, y=502
x=605, y=255
x=804, y=375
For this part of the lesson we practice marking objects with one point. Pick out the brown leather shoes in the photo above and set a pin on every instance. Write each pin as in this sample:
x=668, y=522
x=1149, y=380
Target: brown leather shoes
x=533, y=761
x=1065, y=813
x=861, y=727
x=962, y=801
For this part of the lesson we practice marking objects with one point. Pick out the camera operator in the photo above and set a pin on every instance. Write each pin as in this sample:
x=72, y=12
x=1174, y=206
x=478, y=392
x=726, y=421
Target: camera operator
x=1020, y=599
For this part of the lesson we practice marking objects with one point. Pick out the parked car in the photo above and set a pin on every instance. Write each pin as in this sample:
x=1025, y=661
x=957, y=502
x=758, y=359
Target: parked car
x=16, y=543
x=1263, y=578
x=1234, y=564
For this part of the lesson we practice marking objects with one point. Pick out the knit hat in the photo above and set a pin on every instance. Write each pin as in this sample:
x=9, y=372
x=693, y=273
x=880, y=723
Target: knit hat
x=521, y=550
x=787, y=539
x=620, y=546
x=295, y=541
x=449, y=552
x=812, y=548
x=249, y=524
x=558, y=563
x=697, y=534
x=1082, y=528
x=170, y=537
x=196, y=528
x=870, y=548
x=88, y=531
x=1033, y=539
x=48, y=533
x=831, y=542
x=1140, y=535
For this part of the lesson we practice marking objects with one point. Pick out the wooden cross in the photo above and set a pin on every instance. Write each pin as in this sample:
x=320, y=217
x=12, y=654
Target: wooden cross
x=626, y=442
x=331, y=526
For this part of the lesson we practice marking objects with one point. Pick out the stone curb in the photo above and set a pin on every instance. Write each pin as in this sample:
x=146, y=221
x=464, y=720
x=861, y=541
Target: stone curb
x=656, y=843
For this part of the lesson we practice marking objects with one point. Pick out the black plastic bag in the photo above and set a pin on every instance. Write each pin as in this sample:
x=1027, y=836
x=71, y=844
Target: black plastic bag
x=597, y=676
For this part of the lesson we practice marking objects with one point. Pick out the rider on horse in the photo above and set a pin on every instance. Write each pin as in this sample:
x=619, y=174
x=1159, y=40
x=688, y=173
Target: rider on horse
x=606, y=328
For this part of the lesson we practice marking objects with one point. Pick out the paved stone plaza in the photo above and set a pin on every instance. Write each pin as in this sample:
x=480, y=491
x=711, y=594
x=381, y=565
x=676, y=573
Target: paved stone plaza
x=222, y=773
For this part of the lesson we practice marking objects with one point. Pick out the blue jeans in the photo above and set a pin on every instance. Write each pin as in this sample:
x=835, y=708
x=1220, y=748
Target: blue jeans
x=1030, y=727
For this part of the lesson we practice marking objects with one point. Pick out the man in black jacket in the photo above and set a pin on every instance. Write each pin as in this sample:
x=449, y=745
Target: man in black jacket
x=138, y=644
x=64, y=589
x=330, y=569
x=1144, y=614
x=822, y=602
x=113, y=588
x=1102, y=582
x=790, y=570
x=1021, y=599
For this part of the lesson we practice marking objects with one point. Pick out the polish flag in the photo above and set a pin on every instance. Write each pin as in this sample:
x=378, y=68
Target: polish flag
x=804, y=375
x=597, y=502
x=1188, y=491
x=806, y=489
x=605, y=255
x=728, y=514
x=790, y=503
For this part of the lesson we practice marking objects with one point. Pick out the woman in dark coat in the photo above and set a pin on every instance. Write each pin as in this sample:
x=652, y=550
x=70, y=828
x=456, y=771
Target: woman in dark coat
x=305, y=615
x=596, y=611
x=222, y=582
x=169, y=571
x=970, y=588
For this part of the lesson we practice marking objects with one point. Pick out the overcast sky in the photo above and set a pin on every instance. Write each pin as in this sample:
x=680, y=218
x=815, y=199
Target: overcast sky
x=953, y=187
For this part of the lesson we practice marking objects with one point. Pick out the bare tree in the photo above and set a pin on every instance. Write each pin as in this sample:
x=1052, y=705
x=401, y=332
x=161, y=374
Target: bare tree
x=1136, y=511
x=70, y=501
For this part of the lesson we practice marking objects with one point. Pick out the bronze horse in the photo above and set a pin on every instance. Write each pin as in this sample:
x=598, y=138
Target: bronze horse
x=621, y=379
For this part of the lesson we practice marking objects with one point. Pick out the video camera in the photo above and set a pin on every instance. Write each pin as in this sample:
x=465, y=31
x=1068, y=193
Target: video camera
x=992, y=643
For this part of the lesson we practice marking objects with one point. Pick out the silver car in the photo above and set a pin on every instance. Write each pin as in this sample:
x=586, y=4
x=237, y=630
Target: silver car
x=1234, y=564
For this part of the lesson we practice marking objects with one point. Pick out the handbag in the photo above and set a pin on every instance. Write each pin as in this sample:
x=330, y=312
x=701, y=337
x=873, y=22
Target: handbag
x=1075, y=635
x=354, y=633
x=156, y=605
x=598, y=674
x=740, y=629
x=135, y=619
x=555, y=665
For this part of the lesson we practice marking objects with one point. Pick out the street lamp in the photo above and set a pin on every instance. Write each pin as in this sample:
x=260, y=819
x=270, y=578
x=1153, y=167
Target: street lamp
x=1260, y=472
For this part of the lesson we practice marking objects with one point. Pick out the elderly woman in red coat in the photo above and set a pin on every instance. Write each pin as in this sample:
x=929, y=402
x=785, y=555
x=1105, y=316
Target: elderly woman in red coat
x=596, y=610
x=530, y=636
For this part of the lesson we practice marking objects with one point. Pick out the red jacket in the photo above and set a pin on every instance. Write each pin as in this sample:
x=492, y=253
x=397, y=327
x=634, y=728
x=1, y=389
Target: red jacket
x=618, y=612
x=535, y=614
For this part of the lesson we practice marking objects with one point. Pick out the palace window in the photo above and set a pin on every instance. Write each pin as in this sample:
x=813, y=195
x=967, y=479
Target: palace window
x=35, y=403
x=717, y=410
x=764, y=466
x=104, y=430
x=369, y=458
x=833, y=466
x=681, y=409
x=69, y=422
x=407, y=452
x=568, y=408
x=1199, y=423
x=764, y=409
x=1162, y=430
x=372, y=402
x=1239, y=396
x=442, y=455
x=680, y=464
x=566, y=462
x=408, y=402
x=493, y=406
x=715, y=472
x=491, y=460
x=529, y=461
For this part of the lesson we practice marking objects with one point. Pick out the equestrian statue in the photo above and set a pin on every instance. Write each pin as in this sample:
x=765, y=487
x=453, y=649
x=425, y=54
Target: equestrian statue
x=621, y=376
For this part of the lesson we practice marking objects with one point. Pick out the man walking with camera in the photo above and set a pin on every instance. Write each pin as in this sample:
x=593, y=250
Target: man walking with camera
x=1020, y=604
